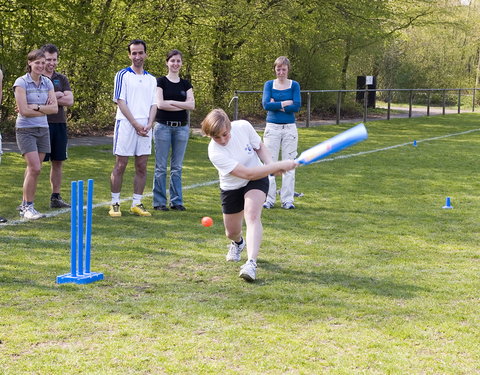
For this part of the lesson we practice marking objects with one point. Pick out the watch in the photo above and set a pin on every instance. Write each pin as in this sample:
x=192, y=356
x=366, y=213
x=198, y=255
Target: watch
x=38, y=108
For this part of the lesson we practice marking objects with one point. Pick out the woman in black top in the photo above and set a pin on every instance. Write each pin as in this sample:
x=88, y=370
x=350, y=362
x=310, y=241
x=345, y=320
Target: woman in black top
x=172, y=130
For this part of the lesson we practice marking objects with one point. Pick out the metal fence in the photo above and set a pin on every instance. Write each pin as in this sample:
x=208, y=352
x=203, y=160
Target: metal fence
x=443, y=98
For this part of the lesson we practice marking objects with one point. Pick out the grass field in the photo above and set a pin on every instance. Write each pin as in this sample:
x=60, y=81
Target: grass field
x=369, y=275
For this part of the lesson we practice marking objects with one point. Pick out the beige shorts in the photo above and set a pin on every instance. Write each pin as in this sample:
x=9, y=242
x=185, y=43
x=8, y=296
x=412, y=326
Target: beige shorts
x=33, y=139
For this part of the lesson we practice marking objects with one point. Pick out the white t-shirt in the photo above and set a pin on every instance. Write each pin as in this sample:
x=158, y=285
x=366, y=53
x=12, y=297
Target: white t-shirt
x=138, y=91
x=239, y=150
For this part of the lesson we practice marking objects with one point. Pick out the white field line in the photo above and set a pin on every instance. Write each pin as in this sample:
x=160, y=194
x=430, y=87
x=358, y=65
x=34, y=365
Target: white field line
x=202, y=184
x=102, y=204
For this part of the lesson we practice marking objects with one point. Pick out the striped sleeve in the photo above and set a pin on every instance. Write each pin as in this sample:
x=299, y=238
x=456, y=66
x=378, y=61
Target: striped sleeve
x=119, y=83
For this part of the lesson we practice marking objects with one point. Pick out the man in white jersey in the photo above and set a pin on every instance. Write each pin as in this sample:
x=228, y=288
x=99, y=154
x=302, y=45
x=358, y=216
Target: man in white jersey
x=134, y=93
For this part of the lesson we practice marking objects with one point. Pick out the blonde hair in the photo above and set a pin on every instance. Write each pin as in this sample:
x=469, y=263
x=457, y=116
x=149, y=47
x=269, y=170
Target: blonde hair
x=282, y=60
x=214, y=123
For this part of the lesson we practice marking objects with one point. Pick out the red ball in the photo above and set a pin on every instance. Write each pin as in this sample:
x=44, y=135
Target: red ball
x=207, y=221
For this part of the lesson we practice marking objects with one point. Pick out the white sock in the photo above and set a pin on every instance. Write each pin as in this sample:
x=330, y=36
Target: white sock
x=137, y=199
x=115, y=198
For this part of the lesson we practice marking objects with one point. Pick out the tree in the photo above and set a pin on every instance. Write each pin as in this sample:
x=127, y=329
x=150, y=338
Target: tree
x=232, y=45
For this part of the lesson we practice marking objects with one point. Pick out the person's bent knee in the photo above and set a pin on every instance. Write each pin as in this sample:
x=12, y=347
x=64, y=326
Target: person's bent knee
x=232, y=235
x=34, y=170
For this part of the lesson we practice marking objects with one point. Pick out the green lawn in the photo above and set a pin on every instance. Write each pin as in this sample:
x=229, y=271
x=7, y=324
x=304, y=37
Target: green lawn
x=369, y=275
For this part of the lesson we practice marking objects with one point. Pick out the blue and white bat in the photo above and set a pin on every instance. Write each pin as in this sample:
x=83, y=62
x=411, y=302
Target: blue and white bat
x=337, y=143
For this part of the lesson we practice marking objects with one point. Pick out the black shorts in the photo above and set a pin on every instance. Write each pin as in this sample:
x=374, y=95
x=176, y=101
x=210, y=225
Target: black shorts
x=233, y=201
x=58, y=141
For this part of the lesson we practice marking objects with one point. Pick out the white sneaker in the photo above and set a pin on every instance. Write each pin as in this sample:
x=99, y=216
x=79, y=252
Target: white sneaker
x=288, y=206
x=248, y=271
x=30, y=213
x=234, y=251
x=268, y=205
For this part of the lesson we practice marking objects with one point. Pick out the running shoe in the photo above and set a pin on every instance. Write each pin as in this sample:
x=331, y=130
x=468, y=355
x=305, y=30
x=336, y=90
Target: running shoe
x=115, y=210
x=30, y=213
x=234, y=251
x=139, y=210
x=248, y=271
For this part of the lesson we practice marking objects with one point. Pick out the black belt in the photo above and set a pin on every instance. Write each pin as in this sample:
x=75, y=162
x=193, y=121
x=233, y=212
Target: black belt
x=175, y=123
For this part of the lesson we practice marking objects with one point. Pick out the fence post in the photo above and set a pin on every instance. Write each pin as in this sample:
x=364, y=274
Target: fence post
x=339, y=105
x=365, y=104
x=389, y=103
x=428, y=103
x=410, y=100
x=459, y=99
x=443, y=102
x=309, y=103
x=473, y=100
x=235, y=106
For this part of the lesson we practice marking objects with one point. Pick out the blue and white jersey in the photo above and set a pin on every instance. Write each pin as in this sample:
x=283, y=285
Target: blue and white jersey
x=240, y=149
x=138, y=91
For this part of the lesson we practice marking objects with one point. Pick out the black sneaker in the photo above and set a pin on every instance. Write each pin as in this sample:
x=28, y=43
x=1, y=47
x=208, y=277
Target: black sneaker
x=177, y=207
x=58, y=203
x=160, y=208
x=3, y=220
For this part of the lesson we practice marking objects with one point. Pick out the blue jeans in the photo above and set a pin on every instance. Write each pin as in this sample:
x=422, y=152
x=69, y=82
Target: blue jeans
x=165, y=137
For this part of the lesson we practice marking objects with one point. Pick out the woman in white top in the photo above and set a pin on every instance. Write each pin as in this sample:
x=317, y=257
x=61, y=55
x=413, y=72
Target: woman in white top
x=237, y=152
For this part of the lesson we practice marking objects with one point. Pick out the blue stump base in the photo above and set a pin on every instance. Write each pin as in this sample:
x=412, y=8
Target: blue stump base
x=86, y=278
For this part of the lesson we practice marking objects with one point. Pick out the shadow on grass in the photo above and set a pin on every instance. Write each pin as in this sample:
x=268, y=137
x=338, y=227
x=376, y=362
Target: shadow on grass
x=375, y=286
